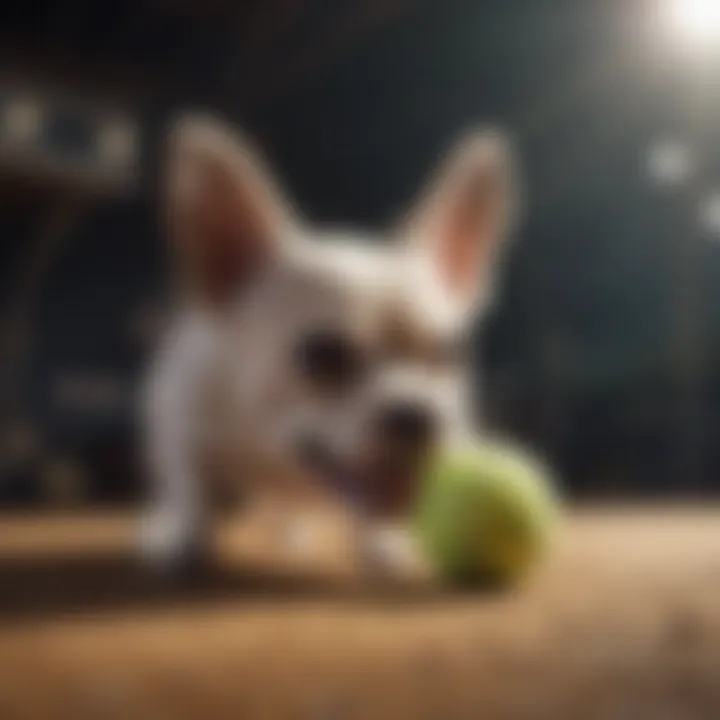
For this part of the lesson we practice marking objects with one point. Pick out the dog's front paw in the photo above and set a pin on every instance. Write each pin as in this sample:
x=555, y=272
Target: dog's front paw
x=392, y=555
x=172, y=546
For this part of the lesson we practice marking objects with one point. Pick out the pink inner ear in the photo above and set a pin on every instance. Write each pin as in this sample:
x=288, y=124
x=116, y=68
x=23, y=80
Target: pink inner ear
x=460, y=255
x=462, y=246
x=230, y=236
x=229, y=260
x=468, y=233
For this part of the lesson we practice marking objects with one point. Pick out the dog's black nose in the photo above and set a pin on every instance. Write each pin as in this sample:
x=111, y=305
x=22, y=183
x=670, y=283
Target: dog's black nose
x=407, y=422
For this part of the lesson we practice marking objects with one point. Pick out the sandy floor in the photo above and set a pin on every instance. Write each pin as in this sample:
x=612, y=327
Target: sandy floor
x=623, y=622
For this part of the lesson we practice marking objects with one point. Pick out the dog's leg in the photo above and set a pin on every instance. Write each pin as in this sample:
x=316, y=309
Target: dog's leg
x=173, y=534
x=174, y=528
x=390, y=552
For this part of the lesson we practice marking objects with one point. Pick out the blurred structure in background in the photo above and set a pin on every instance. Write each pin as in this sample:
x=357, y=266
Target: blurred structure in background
x=604, y=348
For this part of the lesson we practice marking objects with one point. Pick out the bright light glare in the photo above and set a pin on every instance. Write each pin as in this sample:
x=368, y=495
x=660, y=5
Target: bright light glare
x=696, y=21
x=670, y=162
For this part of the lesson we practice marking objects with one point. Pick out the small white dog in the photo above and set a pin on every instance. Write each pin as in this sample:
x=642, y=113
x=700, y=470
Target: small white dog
x=305, y=363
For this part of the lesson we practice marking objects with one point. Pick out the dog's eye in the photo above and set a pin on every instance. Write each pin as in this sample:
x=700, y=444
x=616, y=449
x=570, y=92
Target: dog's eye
x=329, y=359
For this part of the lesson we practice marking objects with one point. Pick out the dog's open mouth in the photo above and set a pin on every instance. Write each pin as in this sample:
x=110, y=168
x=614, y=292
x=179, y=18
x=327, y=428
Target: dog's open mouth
x=383, y=481
x=392, y=483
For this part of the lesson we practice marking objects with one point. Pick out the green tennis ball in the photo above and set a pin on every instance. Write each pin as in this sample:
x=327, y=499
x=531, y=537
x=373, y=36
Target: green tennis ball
x=486, y=514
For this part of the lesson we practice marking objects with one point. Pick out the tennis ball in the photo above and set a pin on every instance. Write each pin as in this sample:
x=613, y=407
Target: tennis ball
x=486, y=514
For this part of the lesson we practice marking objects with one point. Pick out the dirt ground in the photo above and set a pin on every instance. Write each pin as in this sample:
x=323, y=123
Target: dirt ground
x=623, y=621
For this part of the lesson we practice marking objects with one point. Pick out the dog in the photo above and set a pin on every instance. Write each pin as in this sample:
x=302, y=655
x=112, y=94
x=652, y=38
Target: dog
x=311, y=364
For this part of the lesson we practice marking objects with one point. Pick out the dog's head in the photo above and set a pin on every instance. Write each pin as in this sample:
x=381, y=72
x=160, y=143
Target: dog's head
x=345, y=353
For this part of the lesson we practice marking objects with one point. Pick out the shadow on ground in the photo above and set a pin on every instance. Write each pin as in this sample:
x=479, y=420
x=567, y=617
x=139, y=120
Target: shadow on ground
x=40, y=587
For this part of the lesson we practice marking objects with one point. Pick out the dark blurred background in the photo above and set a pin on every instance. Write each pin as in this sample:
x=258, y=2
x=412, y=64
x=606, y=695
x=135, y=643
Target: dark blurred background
x=603, y=350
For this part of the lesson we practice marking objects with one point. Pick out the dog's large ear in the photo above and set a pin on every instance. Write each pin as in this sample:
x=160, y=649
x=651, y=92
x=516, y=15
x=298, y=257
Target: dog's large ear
x=225, y=218
x=459, y=223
